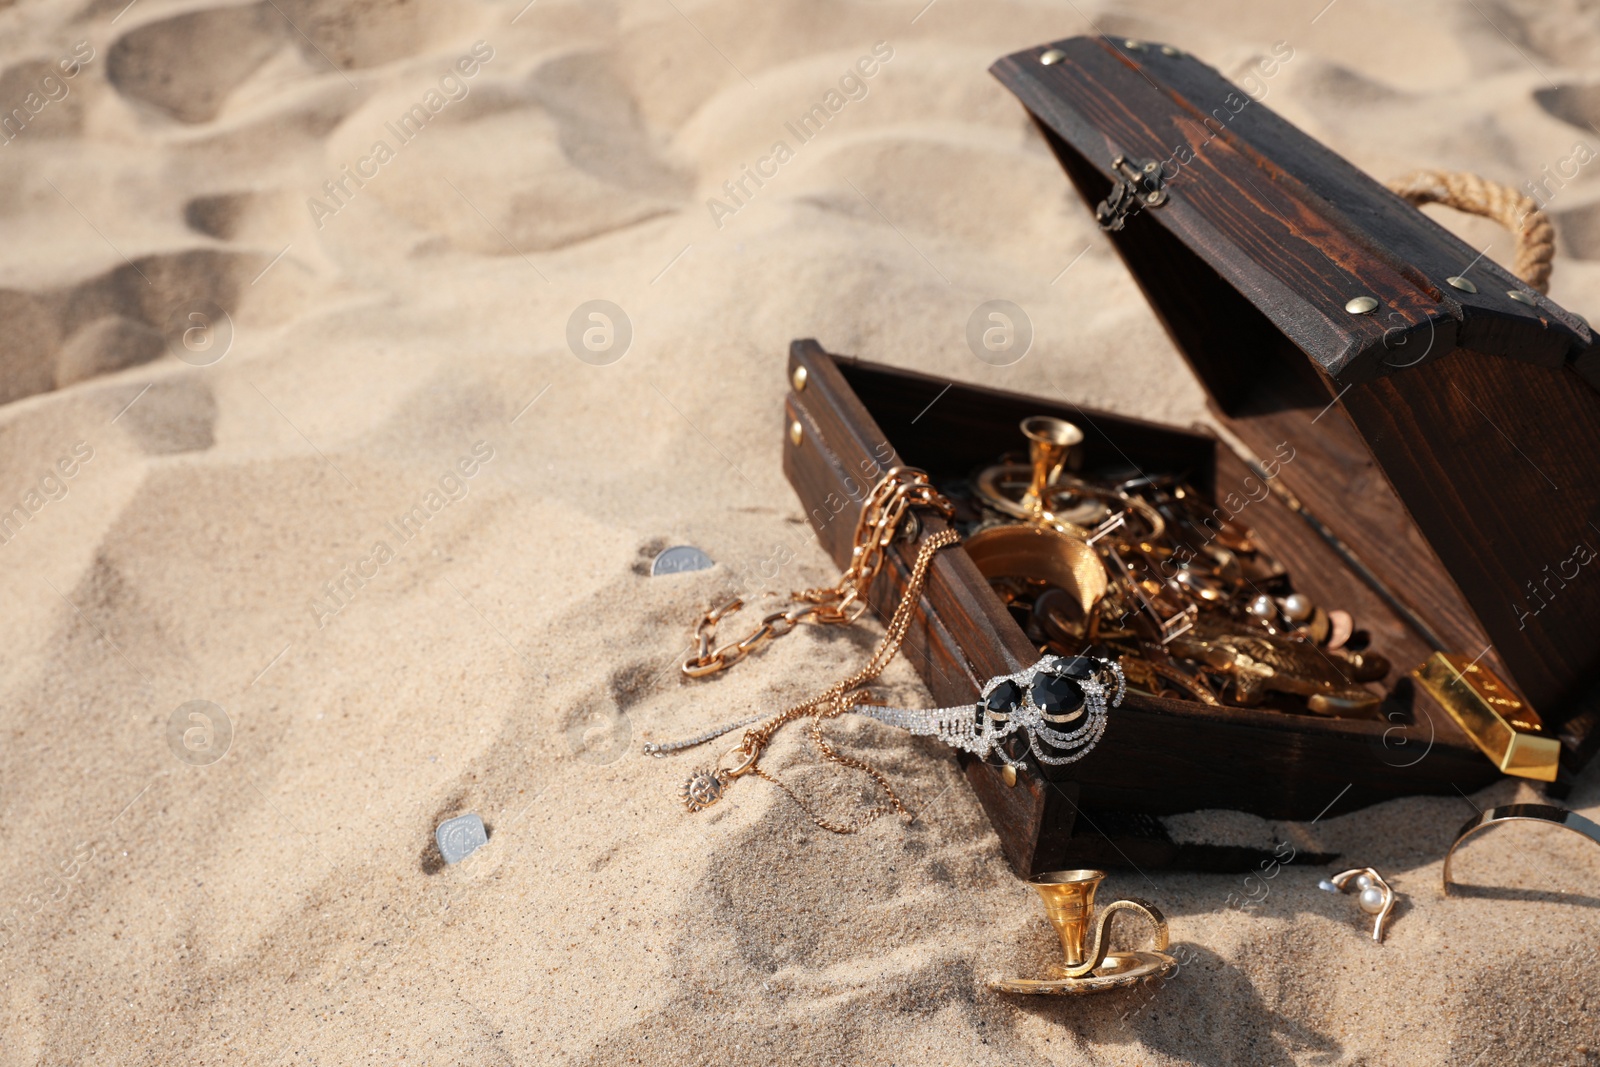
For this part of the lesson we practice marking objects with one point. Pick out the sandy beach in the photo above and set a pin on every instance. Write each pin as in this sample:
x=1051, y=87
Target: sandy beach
x=305, y=445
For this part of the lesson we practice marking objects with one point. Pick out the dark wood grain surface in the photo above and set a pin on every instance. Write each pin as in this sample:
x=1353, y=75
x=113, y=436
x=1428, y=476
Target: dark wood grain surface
x=1287, y=222
x=1504, y=484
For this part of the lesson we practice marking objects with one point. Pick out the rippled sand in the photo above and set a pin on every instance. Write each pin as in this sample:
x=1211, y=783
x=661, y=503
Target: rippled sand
x=282, y=524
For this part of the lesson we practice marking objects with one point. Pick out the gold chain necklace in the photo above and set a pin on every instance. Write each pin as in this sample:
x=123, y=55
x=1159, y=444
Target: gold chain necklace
x=706, y=786
x=886, y=507
x=881, y=514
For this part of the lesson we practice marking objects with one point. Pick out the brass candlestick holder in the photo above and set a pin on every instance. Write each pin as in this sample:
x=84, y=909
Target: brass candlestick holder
x=1088, y=965
x=1051, y=442
x=1027, y=490
x=1045, y=546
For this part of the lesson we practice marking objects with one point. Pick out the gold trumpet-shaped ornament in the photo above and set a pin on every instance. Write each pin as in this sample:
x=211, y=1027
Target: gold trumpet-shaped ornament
x=1051, y=442
x=1044, y=546
x=1028, y=491
x=1089, y=966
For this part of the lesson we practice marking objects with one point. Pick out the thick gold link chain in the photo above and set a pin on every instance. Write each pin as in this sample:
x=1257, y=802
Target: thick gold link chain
x=886, y=506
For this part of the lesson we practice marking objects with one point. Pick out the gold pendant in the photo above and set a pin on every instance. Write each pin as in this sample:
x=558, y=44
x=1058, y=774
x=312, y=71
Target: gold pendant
x=703, y=789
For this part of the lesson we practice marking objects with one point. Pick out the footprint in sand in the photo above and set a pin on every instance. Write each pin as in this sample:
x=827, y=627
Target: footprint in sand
x=1563, y=32
x=187, y=65
x=1578, y=231
x=28, y=351
x=1576, y=105
x=59, y=100
x=357, y=34
x=220, y=216
x=106, y=344
x=173, y=416
x=590, y=164
x=1577, y=227
x=251, y=217
x=119, y=318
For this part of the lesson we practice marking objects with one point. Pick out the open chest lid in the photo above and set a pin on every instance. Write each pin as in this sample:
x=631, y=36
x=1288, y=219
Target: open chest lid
x=1449, y=432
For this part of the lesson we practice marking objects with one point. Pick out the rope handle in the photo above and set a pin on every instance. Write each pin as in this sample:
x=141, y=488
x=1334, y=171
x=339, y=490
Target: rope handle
x=1534, y=234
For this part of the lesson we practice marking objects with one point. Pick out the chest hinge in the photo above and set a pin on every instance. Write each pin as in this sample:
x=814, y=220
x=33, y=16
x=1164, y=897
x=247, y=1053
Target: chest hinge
x=1136, y=186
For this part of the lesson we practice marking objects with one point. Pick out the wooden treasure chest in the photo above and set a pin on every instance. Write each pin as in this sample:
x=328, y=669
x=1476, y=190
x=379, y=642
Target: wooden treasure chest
x=1428, y=426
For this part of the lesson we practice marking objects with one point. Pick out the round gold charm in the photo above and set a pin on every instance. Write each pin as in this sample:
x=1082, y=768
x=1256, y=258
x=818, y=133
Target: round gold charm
x=702, y=790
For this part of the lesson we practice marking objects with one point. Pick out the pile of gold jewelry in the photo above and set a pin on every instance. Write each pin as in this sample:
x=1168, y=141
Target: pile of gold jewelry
x=1148, y=571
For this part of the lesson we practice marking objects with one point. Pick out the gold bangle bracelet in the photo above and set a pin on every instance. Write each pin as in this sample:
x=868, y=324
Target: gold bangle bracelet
x=1546, y=813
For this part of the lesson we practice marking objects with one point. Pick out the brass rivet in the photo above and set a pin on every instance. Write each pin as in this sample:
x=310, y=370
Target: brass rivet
x=1008, y=775
x=1361, y=305
x=1052, y=57
x=798, y=379
x=797, y=433
x=1464, y=284
x=1522, y=297
x=1137, y=46
x=1168, y=50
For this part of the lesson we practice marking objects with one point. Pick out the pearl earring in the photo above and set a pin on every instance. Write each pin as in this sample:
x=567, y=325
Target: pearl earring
x=1374, y=895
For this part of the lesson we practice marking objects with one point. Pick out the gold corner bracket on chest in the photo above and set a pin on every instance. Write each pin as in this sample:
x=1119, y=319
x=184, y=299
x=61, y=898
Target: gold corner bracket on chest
x=1504, y=727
